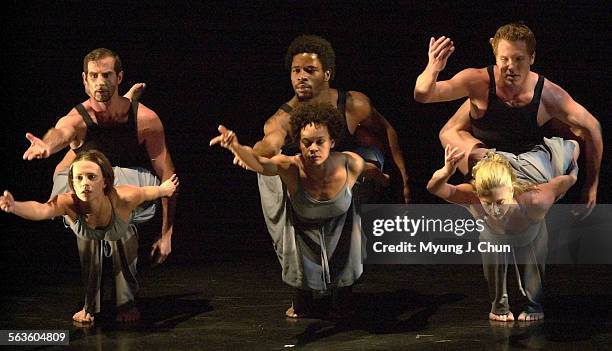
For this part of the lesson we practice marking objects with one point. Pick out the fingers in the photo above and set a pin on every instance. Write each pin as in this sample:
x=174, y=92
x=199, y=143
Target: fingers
x=31, y=137
x=442, y=44
x=215, y=140
x=6, y=201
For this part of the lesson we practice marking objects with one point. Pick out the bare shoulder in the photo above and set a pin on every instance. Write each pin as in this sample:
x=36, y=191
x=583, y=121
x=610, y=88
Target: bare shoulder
x=357, y=100
x=355, y=162
x=474, y=77
x=65, y=200
x=146, y=114
x=358, y=106
x=552, y=92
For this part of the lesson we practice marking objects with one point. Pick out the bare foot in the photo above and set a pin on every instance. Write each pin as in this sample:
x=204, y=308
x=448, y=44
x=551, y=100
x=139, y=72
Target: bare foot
x=534, y=316
x=135, y=91
x=291, y=312
x=83, y=317
x=130, y=315
x=508, y=317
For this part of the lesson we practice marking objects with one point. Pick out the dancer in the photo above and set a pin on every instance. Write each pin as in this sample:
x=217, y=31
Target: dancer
x=320, y=244
x=507, y=105
x=128, y=133
x=100, y=213
x=512, y=194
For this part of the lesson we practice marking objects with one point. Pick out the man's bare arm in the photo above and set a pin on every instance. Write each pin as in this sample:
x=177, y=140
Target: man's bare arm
x=366, y=115
x=66, y=130
x=559, y=104
x=276, y=130
x=152, y=132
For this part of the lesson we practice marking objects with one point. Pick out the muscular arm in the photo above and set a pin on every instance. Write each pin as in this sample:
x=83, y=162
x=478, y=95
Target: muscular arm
x=151, y=130
x=457, y=133
x=360, y=108
x=276, y=130
x=427, y=89
x=67, y=129
x=559, y=104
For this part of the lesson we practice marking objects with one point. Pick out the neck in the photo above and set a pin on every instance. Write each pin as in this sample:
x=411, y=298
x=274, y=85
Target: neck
x=323, y=96
x=107, y=107
x=96, y=205
x=317, y=171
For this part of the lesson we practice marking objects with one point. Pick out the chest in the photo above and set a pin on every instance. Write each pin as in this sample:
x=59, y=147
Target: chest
x=326, y=187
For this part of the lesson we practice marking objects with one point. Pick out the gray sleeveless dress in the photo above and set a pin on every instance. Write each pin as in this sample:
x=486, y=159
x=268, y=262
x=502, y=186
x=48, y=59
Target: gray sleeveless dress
x=319, y=244
x=117, y=241
x=530, y=247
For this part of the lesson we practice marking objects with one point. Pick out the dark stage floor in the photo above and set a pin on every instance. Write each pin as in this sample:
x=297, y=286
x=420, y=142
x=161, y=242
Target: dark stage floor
x=239, y=302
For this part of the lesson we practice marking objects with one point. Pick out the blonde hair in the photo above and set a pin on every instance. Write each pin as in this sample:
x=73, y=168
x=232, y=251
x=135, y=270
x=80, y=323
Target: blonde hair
x=494, y=171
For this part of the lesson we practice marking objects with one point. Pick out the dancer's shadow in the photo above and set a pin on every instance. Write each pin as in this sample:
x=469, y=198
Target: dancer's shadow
x=382, y=313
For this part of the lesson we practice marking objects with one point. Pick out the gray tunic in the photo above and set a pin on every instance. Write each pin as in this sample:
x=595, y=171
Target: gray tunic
x=529, y=248
x=319, y=244
x=119, y=242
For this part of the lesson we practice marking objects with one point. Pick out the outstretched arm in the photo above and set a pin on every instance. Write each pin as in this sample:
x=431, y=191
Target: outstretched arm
x=133, y=196
x=32, y=210
x=65, y=131
x=276, y=130
x=246, y=155
x=460, y=194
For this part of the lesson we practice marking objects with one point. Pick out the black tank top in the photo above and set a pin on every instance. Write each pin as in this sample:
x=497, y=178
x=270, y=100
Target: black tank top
x=510, y=129
x=119, y=143
x=347, y=141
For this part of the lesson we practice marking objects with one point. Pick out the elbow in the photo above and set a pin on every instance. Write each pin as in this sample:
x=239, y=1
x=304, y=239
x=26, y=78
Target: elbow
x=431, y=187
x=420, y=96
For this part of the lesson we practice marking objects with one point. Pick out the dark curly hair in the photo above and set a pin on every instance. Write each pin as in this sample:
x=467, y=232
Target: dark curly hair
x=313, y=44
x=323, y=114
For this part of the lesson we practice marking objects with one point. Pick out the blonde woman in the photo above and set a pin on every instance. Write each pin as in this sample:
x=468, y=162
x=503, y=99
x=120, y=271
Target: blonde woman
x=512, y=194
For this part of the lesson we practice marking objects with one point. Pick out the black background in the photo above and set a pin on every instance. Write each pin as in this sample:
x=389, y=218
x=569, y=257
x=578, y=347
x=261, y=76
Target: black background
x=210, y=63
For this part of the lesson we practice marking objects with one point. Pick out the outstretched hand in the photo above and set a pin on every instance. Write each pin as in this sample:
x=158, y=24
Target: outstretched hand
x=439, y=51
x=7, y=202
x=452, y=156
x=38, y=149
x=169, y=186
x=227, y=139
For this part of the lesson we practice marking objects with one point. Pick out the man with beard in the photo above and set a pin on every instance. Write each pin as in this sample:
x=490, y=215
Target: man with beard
x=311, y=60
x=132, y=137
